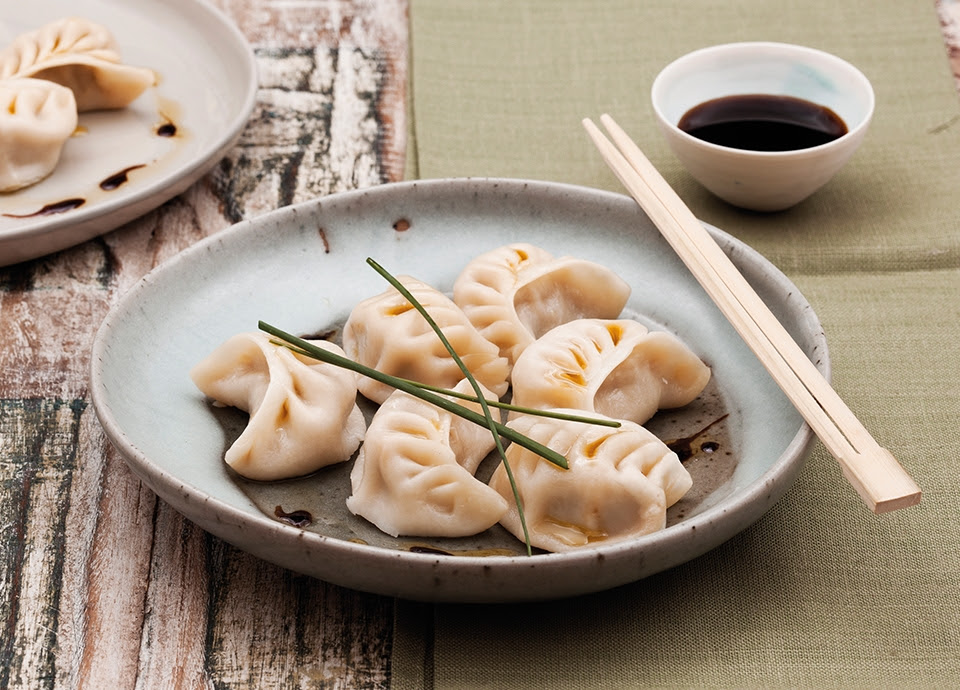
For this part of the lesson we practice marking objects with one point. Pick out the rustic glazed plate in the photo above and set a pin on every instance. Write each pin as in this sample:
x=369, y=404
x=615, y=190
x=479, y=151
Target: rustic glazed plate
x=302, y=269
x=206, y=92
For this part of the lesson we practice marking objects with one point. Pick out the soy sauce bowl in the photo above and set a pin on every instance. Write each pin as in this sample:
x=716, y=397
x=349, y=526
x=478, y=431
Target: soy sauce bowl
x=762, y=180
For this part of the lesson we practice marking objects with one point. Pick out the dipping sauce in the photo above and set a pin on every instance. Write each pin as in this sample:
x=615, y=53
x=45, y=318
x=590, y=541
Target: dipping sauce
x=763, y=122
x=120, y=178
x=297, y=518
x=51, y=209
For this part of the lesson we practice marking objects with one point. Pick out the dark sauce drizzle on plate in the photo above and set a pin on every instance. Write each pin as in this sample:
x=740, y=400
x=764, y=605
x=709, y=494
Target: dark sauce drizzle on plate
x=108, y=184
x=297, y=518
x=51, y=209
x=685, y=447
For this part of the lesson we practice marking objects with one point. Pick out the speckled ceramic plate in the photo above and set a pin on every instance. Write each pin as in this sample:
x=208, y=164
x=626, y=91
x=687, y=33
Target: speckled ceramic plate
x=206, y=91
x=302, y=269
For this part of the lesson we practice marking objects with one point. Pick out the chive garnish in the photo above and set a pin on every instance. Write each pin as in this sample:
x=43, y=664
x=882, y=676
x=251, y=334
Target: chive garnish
x=496, y=428
x=613, y=423
x=488, y=418
x=432, y=394
x=310, y=350
x=552, y=414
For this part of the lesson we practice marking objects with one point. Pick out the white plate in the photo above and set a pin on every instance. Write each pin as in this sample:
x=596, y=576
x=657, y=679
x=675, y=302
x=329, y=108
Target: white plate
x=207, y=89
x=302, y=269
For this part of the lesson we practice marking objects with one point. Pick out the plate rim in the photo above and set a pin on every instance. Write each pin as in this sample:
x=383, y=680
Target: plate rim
x=774, y=481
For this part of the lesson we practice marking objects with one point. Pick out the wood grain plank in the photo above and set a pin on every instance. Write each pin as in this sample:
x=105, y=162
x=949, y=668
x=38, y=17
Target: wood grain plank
x=173, y=646
x=104, y=576
x=36, y=471
x=103, y=585
x=311, y=633
x=50, y=315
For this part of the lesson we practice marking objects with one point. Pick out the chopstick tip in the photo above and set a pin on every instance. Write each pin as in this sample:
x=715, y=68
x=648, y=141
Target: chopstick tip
x=906, y=501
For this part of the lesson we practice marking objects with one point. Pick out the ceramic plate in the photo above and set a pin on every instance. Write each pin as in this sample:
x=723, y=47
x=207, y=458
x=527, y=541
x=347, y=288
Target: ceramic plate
x=302, y=269
x=206, y=91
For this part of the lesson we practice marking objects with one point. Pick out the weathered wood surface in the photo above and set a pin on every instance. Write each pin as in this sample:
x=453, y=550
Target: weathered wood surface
x=101, y=584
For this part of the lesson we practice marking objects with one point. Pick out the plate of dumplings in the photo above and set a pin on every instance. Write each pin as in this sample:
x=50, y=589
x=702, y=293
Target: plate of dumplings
x=272, y=385
x=108, y=110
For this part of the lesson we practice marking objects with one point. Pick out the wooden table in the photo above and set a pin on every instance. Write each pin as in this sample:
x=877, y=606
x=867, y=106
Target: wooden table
x=102, y=584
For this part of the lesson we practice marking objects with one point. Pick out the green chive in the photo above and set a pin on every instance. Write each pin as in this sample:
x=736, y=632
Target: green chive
x=488, y=419
x=310, y=350
x=551, y=414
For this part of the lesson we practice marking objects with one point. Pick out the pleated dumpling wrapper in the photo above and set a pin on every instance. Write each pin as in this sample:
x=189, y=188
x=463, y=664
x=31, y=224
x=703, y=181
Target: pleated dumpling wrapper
x=80, y=55
x=615, y=367
x=619, y=485
x=414, y=473
x=303, y=412
x=518, y=292
x=385, y=332
x=36, y=119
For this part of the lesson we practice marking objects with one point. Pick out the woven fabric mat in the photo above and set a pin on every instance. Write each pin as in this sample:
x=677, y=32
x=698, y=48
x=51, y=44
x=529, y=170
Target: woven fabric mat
x=820, y=592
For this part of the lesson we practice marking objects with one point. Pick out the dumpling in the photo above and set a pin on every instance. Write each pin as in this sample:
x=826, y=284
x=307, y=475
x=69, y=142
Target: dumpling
x=36, y=119
x=80, y=55
x=414, y=473
x=387, y=333
x=303, y=413
x=615, y=367
x=619, y=485
x=518, y=292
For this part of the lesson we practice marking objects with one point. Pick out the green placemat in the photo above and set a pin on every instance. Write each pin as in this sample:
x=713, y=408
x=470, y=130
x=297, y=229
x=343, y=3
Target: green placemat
x=819, y=593
x=500, y=88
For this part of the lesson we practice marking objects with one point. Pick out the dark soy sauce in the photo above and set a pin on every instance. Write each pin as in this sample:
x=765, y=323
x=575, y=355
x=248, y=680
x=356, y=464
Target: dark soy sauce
x=686, y=448
x=51, y=209
x=119, y=178
x=762, y=122
x=297, y=518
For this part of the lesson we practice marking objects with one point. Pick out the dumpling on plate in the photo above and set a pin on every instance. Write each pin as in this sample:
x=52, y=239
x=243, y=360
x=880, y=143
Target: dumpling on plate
x=303, y=412
x=518, y=292
x=615, y=367
x=80, y=55
x=36, y=119
x=387, y=333
x=619, y=484
x=414, y=473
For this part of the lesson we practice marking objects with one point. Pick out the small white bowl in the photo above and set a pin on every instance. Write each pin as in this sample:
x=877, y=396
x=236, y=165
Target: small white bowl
x=762, y=180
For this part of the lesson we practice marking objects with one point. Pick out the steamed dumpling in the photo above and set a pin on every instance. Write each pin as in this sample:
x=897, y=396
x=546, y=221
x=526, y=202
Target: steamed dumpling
x=387, y=333
x=518, y=292
x=303, y=412
x=80, y=55
x=615, y=367
x=619, y=484
x=36, y=119
x=414, y=473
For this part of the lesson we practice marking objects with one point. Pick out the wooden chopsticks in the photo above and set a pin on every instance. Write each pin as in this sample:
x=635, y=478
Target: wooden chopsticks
x=873, y=471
